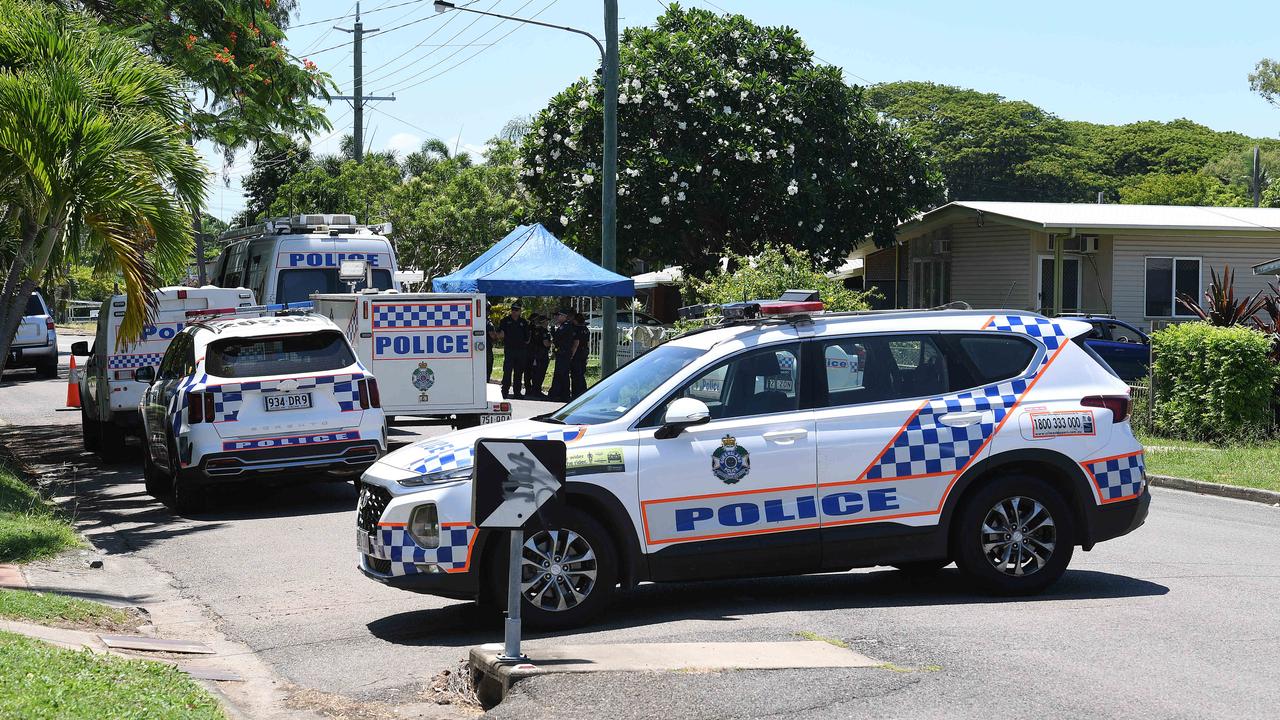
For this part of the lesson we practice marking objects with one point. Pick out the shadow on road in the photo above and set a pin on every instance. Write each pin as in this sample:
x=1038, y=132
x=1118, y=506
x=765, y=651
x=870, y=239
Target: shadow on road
x=728, y=600
x=102, y=497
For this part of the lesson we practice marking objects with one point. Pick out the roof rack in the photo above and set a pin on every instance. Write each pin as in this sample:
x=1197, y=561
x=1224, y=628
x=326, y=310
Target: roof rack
x=205, y=318
x=331, y=223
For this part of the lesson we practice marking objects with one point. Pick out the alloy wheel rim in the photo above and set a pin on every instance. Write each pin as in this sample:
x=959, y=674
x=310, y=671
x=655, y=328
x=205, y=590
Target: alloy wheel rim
x=1018, y=536
x=557, y=570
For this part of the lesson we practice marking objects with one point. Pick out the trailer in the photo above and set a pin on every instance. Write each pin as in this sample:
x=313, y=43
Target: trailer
x=427, y=351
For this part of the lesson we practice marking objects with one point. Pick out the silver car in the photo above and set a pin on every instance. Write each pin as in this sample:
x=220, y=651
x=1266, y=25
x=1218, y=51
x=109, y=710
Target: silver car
x=36, y=343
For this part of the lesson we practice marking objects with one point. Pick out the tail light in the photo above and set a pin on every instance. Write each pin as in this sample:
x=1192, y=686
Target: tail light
x=1117, y=404
x=375, y=399
x=48, y=323
x=363, y=386
x=199, y=408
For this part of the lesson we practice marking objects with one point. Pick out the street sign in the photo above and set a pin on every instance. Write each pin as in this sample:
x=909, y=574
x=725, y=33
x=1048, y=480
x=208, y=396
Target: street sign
x=514, y=479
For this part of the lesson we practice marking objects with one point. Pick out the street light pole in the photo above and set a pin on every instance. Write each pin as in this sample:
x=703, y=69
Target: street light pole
x=608, y=188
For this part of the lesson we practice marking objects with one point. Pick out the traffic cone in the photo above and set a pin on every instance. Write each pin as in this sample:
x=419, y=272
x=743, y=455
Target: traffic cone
x=73, y=385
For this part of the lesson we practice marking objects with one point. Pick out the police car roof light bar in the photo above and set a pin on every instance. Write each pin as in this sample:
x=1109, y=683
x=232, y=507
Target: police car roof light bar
x=302, y=306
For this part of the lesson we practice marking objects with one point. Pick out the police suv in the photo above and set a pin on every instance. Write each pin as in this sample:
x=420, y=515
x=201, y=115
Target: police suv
x=794, y=441
x=256, y=394
x=288, y=259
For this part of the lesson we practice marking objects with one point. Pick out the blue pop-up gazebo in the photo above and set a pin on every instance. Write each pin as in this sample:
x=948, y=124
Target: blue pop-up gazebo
x=531, y=262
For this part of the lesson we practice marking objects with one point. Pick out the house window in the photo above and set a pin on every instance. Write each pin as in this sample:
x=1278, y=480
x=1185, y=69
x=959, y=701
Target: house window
x=1167, y=278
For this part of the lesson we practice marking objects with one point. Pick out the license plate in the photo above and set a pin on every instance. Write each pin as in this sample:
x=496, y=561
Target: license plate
x=491, y=419
x=288, y=401
x=364, y=543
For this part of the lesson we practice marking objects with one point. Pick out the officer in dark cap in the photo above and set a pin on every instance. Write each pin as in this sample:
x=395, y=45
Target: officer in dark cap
x=578, y=366
x=514, y=331
x=565, y=343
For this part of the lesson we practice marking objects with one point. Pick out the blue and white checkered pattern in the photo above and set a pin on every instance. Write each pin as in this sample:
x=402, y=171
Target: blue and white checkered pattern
x=1043, y=329
x=119, y=362
x=417, y=316
x=1118, y=478
x=927, y=447
x=395, y=544
x=228, y=397
x=786, y=361
x=442, y=456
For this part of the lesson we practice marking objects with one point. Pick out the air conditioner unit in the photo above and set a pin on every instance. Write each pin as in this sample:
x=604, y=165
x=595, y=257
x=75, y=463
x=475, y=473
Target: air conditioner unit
x=1081, y=244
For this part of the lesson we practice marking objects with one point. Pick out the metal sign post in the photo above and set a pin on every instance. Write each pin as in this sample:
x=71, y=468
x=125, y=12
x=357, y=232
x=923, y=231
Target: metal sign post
x=515, y=479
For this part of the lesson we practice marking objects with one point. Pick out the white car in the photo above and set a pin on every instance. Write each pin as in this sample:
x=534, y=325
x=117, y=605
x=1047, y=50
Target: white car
x=238, y=397
x=794, y=441
x=35, y=344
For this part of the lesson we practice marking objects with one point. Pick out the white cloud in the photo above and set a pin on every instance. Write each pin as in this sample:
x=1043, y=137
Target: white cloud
x=404, y=143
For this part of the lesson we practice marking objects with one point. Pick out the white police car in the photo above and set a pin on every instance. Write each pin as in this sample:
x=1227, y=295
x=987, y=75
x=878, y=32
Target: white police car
x=792, y=443
x=256, y=395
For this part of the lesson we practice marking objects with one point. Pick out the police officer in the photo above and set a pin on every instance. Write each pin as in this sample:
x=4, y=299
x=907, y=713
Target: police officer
x=514, y=331
x=565, y=343
x=578, y=367
x=539, y=355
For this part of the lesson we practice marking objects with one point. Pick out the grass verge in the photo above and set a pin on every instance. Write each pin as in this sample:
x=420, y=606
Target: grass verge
x=1249, y=465
x=593, y=369
x=30, y=528
x=56, y=610
x=39, y=680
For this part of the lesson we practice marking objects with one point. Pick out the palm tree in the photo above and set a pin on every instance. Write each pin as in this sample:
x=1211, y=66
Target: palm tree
x=93, y=155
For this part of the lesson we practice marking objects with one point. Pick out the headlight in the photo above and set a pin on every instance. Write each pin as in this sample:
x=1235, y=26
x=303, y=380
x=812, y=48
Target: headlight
x=424, y=526
x=437, y=478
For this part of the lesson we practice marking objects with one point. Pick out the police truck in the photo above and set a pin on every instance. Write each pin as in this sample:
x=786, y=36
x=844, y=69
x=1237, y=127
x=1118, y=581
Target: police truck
x=288, y=259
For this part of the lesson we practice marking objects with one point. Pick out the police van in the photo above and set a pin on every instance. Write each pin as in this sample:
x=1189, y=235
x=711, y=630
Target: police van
x=258, y=394
x=108, y=393
x=426, y=349
x=788, y=441
x=287, y=260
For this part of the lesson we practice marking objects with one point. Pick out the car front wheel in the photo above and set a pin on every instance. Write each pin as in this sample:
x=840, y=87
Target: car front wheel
x=568, y=572
x=1014, y=536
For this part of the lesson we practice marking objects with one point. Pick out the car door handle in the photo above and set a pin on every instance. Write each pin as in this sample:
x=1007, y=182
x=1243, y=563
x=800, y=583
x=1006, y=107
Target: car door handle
x=786, y=435
x=961, y=419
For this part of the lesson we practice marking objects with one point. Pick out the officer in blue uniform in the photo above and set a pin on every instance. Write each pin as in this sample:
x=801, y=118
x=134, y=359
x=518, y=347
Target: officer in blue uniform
x=565, y=343
x=514, y=331
x=578, y=366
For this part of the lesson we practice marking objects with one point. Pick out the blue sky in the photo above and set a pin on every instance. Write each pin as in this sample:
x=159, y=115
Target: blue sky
x=1109, y=62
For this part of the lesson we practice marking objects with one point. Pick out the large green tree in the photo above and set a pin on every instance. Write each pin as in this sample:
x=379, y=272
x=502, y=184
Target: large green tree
x=731, y=137
x=273, y=165
x=338, y=184
x=93, y=157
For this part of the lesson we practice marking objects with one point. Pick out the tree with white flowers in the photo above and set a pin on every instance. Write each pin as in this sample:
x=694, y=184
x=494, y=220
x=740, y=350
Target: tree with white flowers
x=730, y=139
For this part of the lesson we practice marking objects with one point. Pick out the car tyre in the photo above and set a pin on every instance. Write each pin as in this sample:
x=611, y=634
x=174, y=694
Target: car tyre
x=1014, y=536
x=48, y=368
x=185, y=495
x=88, y=430
x=153, y=476
x=572, y=534
x=111, y=442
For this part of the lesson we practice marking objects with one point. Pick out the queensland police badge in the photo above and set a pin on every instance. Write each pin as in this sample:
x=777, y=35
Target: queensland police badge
x=423, y=378
x=730, y=462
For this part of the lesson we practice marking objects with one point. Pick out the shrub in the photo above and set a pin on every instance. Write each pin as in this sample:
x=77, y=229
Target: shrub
x=1213, y=383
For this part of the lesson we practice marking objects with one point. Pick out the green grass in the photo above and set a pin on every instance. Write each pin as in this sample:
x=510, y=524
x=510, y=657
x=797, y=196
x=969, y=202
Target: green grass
x=1250, y=465
x=809, y=635
x=60, y=610
x=42, y=681
x=30, y=528
x=593, y=369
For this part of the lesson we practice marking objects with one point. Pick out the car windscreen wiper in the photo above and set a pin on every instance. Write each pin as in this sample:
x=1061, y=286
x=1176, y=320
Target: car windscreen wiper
x=547, y=419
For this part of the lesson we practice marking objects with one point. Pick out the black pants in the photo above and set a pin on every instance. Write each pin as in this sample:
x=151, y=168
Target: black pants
x=536, y=373
x=577, y=377
x=488, y=361
x=560, y=379
x=513, y=371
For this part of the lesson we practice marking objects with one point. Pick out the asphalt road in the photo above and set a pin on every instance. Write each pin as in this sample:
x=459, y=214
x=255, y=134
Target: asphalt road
x=1179, y=619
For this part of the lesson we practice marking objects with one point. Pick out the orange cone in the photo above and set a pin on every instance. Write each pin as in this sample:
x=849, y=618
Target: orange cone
x=73, y=385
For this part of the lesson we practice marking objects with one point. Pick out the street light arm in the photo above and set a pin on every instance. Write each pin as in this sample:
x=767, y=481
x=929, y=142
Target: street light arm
x=442, y=6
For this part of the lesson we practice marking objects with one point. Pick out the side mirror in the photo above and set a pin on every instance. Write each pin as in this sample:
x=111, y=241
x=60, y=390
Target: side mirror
x=145, y=375
x=682, y=413
x=80, y=348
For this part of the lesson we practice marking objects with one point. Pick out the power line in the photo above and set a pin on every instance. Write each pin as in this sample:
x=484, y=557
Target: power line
x=429, y=53
x=371, y=34
x=336, y=18
x=482, y=49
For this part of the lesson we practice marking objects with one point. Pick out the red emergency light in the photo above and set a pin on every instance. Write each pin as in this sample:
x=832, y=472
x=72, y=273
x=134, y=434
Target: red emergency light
x=791, y=308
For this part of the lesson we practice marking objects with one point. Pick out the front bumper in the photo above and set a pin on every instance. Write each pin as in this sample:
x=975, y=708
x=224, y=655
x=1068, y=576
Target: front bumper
x=348, y=457
x=456, y=585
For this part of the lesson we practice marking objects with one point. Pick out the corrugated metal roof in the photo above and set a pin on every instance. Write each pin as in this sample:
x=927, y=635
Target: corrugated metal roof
x=1089, y=216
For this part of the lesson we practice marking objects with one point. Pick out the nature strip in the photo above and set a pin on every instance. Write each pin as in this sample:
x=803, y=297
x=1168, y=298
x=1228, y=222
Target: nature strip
x=1269, y=497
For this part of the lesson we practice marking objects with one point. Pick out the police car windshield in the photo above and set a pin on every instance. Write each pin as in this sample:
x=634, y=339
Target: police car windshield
x=279, y=355
x=615, y=395
x=298, y=285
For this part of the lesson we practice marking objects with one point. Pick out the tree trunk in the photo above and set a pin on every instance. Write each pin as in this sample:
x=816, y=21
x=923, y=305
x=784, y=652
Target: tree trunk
x=13, y=299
